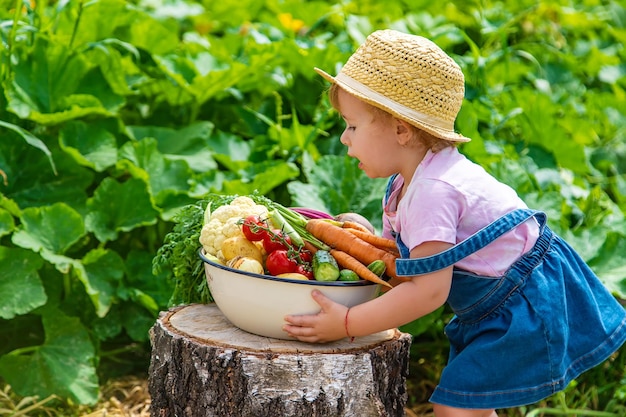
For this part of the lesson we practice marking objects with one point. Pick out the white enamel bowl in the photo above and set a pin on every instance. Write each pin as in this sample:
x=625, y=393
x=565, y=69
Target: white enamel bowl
x=258, y=303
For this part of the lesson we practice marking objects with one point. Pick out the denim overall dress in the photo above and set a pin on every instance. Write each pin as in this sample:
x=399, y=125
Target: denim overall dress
x=519, y=338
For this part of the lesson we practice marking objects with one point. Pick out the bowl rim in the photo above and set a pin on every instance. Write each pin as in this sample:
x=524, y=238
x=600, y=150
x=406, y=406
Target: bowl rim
x=359, y=283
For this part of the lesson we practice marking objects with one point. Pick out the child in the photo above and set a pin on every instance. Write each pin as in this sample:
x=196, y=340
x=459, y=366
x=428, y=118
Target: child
x=530, y=316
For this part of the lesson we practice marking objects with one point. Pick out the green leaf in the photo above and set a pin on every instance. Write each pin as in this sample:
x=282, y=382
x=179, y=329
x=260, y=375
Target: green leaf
x=614, y=279
x=110, y=63
x=32, y=141
x=137, y=321
x=46, y=84
x=149, y=34
x=336, y=185
x=156, y=286
x=91, y=145
x=9, y=205
x=216, y=82
x=587, y=243
x=63, y=365
x=119, y=207
x=609, y=266
x=109, y=326
x=101, y=272
x=192, y=143
x=97, y=94
x=6, y=222
x=293, y=139
x=34, y=184
x=421, y=325
x=172, y=201
x=541, y=126
x=178, y=260
x=168, y=179
x=98, y=20
x=467, y=124
x=165, y=176
x=231, y=151
x=21, y=289
x=49, y=228
x=610, y=74
x=62, y=263
x=262, y=177
x=180, y=69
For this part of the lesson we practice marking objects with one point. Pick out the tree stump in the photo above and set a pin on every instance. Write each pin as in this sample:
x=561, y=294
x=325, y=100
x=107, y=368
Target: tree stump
x=202, y=365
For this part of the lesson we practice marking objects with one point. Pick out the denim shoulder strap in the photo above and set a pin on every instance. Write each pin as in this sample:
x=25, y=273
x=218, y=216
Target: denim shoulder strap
x=477, y=241
x=389, y=188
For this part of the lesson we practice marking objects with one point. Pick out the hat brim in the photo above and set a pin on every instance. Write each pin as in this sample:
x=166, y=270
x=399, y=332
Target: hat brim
x=433, y=130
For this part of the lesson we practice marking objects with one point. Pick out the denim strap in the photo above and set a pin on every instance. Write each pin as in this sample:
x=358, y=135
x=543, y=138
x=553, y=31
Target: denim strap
x=477, y=241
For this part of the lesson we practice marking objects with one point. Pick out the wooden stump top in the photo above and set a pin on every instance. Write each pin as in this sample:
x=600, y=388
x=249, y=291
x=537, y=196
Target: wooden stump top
x=206, y=324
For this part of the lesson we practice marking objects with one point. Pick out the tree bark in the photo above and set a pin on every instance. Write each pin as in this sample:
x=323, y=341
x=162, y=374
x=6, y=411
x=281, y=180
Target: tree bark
x=202, y=365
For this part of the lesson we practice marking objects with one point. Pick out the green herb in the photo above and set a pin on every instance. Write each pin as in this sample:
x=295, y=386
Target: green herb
x=294, y=219
x=178, y=256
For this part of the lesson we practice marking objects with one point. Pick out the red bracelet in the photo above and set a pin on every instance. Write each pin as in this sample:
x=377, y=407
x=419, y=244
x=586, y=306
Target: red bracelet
x=345, y=324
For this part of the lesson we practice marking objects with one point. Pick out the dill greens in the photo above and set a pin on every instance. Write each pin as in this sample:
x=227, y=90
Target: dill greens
x=178, y=257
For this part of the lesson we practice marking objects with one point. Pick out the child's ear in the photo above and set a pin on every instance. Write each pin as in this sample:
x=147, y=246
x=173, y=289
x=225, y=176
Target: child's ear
x=404, y=131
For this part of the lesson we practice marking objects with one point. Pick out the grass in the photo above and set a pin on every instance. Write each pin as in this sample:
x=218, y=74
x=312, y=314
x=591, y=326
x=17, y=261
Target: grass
x=124, y=397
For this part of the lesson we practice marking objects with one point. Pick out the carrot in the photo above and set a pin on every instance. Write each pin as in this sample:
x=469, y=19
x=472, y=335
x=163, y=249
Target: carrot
x=310, y=247
x=378, y=241
x=346, y=261
x=346, y=224
x=339, y=238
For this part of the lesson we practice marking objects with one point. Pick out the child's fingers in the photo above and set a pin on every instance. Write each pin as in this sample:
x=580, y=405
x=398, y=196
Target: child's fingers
x=303, y=333
x=324, y=326
x=298, y=331
x=301, y=320
x=308, y=320
x=324, y=302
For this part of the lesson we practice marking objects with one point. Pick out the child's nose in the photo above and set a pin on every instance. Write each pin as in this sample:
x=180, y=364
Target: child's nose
x=344, y=138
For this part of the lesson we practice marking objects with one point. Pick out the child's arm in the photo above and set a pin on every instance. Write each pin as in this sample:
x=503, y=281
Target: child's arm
x=404, y=303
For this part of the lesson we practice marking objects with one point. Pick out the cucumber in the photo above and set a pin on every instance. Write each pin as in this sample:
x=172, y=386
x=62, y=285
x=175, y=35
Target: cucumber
x=378, y=267
x=325, y=267
x=348, y=275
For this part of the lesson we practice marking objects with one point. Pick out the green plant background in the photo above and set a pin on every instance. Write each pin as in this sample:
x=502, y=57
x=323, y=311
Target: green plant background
x=115, y=115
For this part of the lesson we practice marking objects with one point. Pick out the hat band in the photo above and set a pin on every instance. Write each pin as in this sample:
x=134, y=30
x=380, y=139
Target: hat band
x=392, y=105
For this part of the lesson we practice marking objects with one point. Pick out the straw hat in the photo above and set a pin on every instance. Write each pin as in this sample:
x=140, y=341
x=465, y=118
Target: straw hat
x=408, y=76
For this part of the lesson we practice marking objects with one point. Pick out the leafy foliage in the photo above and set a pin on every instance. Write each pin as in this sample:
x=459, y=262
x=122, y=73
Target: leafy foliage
x=178, y=256
x=118, y=118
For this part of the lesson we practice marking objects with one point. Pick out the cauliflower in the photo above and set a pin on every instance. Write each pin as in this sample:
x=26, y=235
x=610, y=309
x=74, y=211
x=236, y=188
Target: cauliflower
x=222, y=223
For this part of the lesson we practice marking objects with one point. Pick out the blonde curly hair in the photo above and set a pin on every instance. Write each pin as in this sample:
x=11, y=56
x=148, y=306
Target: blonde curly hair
x=429, y=141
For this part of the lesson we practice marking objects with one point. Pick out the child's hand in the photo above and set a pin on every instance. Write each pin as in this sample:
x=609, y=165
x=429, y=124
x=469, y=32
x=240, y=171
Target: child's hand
x=325, y=326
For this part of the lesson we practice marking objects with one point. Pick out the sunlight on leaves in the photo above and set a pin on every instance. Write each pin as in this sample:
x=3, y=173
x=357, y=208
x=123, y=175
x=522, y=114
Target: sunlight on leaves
x=54, y=228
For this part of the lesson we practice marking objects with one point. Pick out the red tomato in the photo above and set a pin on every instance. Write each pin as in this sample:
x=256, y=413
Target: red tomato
x=276, y=240
x=305, y=256
x=305, y=270
x=254, y=229
x=278, y=262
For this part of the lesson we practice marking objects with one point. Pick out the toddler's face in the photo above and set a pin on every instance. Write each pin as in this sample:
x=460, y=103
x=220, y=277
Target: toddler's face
x=369, y=136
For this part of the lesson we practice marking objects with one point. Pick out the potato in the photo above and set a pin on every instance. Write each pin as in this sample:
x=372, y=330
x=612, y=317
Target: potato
x=246, y=264
x=240, y=246
x=293, y=275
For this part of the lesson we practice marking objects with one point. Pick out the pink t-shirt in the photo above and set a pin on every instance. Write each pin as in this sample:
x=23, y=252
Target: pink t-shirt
x=449, y=199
